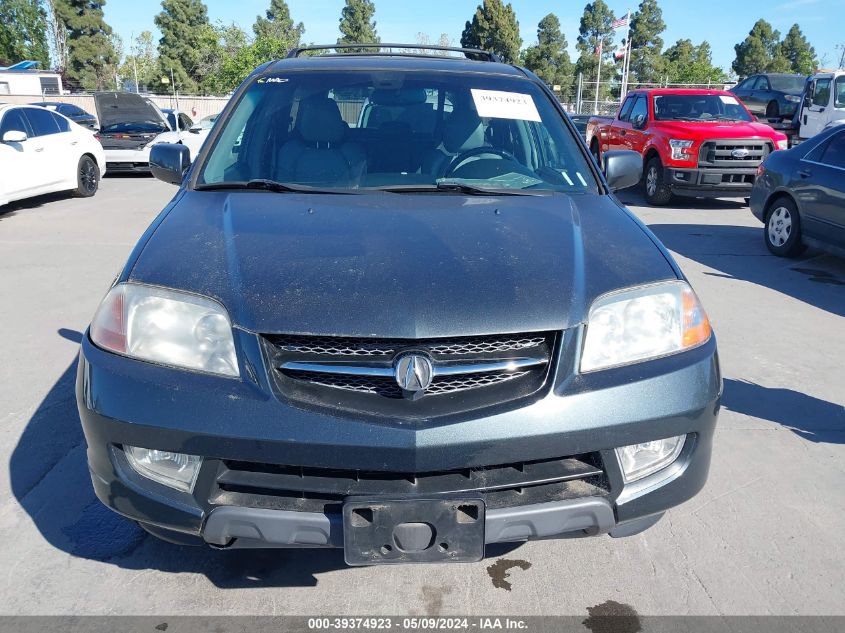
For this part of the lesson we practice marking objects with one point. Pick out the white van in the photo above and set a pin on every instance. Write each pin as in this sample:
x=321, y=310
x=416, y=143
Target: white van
x=824, y=103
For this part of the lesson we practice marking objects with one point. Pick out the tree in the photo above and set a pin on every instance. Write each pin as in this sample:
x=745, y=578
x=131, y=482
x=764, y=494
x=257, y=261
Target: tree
x=646, y=44
x=23, y=32
x=797, y=51
x=91, y=56
x=494, y=28
x=357, y=24
x=759, y=52
x=595, y=33
x=689, y=64
x=549, y=59
x=278, y=25
x=141, y=61
x=57, y=35
x=183, y=25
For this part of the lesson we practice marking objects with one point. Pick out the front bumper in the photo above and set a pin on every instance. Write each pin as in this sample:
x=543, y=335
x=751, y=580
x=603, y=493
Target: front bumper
x=128, y=160
x=126, y=402
x=710, y=183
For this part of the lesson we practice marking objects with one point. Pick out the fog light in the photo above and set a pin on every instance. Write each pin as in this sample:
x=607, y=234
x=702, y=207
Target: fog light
x=641, y=460
x=176, y=470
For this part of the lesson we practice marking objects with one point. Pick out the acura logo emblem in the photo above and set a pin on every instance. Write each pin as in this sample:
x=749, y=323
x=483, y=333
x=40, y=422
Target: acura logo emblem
x=413, y=373
x=740, y=152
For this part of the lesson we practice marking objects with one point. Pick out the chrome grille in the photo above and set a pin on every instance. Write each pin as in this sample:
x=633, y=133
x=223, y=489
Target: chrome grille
x=367, y=365
x=733, y=153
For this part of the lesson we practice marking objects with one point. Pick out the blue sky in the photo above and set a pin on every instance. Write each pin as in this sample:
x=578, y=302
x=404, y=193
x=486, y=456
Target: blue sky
x=722, y=22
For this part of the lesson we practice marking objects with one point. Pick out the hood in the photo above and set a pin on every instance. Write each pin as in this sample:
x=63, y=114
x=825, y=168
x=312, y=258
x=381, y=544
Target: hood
x=399, y=266
x=114, y=108
x=722, y=129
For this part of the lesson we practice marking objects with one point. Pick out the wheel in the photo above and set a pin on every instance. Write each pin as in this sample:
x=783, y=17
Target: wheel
x=87, y=178
x=596, y=152
x=783, y=229
x=772, y=110
x=657, y=192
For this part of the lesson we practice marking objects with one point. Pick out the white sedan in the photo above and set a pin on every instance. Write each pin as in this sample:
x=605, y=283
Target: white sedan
x=43, y=152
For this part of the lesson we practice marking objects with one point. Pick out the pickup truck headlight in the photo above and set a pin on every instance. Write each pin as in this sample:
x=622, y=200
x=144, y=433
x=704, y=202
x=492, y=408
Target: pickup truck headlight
x=792, y=98
x=783, y=144
x=680, y=149
x=643, y=323
x=167, y=327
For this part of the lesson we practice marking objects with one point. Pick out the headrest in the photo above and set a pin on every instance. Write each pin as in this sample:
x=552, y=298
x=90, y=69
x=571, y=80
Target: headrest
x=463, y=131
x=404, y=96
x=320, y=121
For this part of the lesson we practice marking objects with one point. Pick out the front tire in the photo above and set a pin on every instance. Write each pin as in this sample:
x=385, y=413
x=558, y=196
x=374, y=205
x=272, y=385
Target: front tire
x=782, y=232
x=772, y=110
x=87, y=178
x=657, y=192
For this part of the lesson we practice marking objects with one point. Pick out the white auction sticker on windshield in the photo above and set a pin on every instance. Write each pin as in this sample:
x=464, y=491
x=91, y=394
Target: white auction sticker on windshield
x=729, y=100
x=505, y=105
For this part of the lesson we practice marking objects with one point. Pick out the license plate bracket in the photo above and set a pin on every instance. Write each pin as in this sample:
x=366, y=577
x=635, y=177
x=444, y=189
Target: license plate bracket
x=379, y=531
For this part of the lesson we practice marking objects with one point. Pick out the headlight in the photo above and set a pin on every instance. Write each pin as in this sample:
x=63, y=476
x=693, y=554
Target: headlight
x=167, y=327
x=783, y=144
x=680, y=149
x=176, y=470
x=792, y=98
x=643, y=323
x=641, y=460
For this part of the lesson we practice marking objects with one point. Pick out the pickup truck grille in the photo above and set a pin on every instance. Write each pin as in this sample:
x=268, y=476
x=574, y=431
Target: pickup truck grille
x=361, y=373
x=736, y=153
x=324, y=489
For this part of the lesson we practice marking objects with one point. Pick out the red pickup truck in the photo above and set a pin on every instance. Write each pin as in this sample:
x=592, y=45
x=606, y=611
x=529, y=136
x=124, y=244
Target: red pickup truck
x=699, y=143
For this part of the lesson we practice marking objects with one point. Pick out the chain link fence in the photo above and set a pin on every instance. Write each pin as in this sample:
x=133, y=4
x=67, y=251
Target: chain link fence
x=584, y=99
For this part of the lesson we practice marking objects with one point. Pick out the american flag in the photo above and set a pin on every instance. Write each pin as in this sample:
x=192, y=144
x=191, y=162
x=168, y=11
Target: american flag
x=623, y=21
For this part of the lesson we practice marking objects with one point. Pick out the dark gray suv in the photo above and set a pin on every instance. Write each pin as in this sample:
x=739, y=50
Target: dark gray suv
x=408, y=334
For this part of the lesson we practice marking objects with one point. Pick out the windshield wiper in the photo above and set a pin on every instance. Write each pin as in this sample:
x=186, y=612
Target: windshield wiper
x=459, y=187
x=264, y=184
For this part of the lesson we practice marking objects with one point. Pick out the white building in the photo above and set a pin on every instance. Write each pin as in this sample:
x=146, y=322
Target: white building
x=24, y=78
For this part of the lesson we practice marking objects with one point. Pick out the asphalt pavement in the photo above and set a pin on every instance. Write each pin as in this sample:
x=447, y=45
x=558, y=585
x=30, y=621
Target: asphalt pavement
x=764, y=537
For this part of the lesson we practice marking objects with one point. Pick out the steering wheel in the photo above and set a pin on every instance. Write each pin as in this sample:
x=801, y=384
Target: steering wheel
x=458, y=160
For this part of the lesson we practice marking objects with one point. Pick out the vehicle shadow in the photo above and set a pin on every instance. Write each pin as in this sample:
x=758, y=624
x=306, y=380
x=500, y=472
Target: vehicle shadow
x=50, y=480
x=738, y=252
x=33, y=203
x=635, y=196
x=811, y=418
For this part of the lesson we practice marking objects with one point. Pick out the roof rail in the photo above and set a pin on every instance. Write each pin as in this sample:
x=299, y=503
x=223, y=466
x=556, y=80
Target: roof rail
x=414, y=50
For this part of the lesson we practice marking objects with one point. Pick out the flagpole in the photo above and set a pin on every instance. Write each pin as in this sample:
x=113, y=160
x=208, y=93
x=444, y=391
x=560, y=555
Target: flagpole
x=598, y=82
x=627, y=58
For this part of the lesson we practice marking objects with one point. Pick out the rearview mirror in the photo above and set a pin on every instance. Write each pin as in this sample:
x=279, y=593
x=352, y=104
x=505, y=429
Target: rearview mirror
x=622, y=168
x=169, y=162
x=14, y=136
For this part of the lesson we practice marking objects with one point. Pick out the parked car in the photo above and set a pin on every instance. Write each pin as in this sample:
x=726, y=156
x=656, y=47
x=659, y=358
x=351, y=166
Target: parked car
x=71, y=111
x=800, y=196
x=581, y=121
x=207, y=122
x=775, y=95
x=177, y=120
x=699, y=143
x=824, y=104
x=130, y=125
x=42, y=151
x=460, y=347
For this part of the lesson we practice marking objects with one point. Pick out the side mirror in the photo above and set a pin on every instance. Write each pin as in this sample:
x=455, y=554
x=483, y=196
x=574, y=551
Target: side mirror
x=169, y=162
x=14, y=136
x=622, y=168
x=195, y=129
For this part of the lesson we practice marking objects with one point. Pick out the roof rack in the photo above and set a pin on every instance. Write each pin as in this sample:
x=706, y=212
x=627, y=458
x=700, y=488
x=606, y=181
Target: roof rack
x=414, y=50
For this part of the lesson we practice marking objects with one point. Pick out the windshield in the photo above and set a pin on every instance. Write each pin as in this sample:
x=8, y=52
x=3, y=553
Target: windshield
x=397, y=129
x=787, y=84
x=704, y=108
x=136, y=126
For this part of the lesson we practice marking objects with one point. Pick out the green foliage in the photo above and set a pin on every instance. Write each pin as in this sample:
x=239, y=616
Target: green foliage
x=92, y=59
x=595, y=29
x=23, y=32
x=184, y=36
x=142, y=59
x=278, y=25
x=549, y=59
x=796, y=50
x=494, y=28
x=689, y=64
x=646, y=44
x=757, y=53
x=357, y=24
